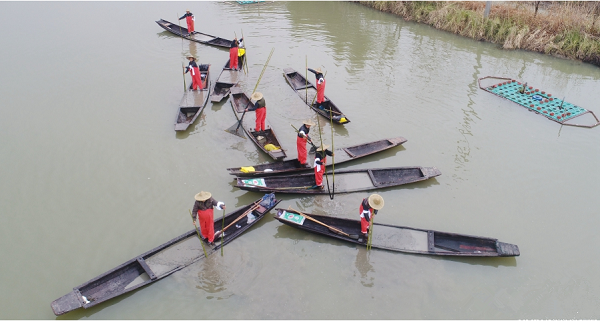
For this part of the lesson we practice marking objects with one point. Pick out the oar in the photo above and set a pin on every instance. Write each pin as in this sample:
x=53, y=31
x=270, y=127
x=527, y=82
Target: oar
x=332, y=229
x=306, y=81
x=313, y=148
x=332, y=157
x=254, y=206
x=245, y=62
x=238, y=124
x=325, y=155
x=200, y=238
x=222, y=235
x=282, y=188
x=183, y=71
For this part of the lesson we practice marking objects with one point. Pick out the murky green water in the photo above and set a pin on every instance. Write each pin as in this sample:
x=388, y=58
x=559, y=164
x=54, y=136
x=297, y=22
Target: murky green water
x=93, y=174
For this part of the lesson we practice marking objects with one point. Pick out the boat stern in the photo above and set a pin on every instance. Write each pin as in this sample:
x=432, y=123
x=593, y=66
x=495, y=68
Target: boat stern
x=431, y=172
x=506, y=249
x=66, y=303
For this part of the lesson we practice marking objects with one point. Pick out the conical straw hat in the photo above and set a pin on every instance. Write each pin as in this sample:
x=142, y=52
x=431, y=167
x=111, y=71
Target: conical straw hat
x=202, y=196
x=256, y=96
x=322, y=148
x=309, y=122
x=376, y=201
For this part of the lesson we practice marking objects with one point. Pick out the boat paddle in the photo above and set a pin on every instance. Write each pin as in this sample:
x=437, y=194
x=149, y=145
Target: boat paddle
x=234, y=129
x=222, y=234
x=254, y=206
x=245, y=62
x=332, y=229
x=199, y=237
x=183, y=72
x=313, y=148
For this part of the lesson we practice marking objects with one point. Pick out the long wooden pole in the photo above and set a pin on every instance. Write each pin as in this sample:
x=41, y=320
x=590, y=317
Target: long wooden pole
x=222, y=234
x=370, y=232
x=321, y=223
x=332, y=157
x=183, y=72
x=200, y=238
x=255, y=206
x=245, y=62
x=306, y=80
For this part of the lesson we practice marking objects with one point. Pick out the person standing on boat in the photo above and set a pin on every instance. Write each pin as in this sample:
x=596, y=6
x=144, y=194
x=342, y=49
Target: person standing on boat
x=320, y=164
x=195, y=73
x=320, y=86
x=234, y=54
x=189, y=19
x=368, y=208
x=241, y=53
x=261, y=110
x=203, y=208
x=302, y=139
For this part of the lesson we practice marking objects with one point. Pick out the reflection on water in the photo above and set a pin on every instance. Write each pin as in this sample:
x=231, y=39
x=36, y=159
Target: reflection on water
x=363, y=266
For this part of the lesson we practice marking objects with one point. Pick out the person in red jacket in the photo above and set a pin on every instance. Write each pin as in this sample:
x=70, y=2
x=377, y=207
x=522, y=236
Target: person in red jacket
x=320, y=164
x=301, y=141
x=320, y=87
x=203, y=208
x=369, y=207
x=195, y=72
x=260, y=106
x=189, y=19
x=234, y=54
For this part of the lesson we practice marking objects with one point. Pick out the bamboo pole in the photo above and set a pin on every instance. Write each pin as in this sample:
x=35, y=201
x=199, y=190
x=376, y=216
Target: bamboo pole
x=183, y=72
x=222, y=234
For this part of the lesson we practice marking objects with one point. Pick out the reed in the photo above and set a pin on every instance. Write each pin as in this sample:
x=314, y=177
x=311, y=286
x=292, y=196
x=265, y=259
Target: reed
x=568, y=29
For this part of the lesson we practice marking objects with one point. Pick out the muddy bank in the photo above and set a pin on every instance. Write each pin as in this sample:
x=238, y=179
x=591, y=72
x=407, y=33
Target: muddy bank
x=562, y=29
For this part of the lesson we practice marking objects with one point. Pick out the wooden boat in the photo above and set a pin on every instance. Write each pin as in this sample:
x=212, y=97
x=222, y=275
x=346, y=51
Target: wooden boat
x=227, y=79
x=196, y=36
x=301, y=86
x=346, y=181
x=537, y=101
x=157, y=263
x=193, y=102
x=342, y=155
x=240, y=101
x=401, y=238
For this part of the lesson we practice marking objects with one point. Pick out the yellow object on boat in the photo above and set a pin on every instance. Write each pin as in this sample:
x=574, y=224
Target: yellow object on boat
x=343, y=120
x=241, y=52
x=248, y=169
x=271, y=147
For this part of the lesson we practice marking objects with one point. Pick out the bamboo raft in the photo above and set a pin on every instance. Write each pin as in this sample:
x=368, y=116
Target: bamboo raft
x=538, y=101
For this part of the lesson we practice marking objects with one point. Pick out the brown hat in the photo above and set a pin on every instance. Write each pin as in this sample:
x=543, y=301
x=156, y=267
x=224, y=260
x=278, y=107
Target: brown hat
x=309, y=122
x=187, y=10
x=202, y=196
x=319, y=70
x=188, y=57
x=256, y=96
x=325, y=146
x=376, y=201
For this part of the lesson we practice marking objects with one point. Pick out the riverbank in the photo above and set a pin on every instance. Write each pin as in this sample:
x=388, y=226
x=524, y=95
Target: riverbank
x=563, y=29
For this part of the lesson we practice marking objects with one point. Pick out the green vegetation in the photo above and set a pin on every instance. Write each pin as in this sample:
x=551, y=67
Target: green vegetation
x=561, y=28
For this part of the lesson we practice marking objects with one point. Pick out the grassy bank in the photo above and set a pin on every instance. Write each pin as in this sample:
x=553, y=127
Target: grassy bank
x=568, y=29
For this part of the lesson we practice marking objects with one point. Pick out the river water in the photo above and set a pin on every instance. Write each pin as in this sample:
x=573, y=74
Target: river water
x=93, y=174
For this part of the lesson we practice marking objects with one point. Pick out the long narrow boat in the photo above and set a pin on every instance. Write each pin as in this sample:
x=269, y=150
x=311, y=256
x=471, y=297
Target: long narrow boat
x=196, y=36
x=193, y=102
x=537, y=101
x=227, y=79
x=346, y=181
x=301, y=86
x=401, y=238
x=240, y=101
x=159, y=262
x=342, y=155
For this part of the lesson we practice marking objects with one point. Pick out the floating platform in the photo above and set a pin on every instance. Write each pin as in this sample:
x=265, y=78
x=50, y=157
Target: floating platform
x=538, y=101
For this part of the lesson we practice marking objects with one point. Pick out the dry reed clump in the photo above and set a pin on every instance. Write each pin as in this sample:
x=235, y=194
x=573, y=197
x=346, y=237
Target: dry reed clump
x=561, y=28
